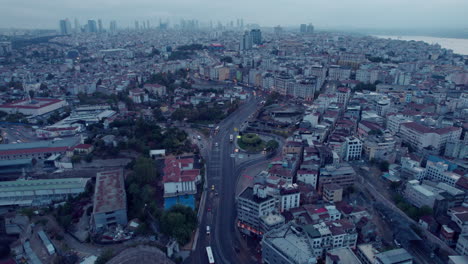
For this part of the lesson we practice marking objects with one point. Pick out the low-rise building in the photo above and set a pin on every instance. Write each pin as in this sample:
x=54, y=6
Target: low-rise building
x=180, y=182
x=332, y=192
x=395, y=256
x=33, y=107
x=438, y=171
x=462, y=245
x=110, y=200
x=40, y=192
x=287, y=244
x=341, y=256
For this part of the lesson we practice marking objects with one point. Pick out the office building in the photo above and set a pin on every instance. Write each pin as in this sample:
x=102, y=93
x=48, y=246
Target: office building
x=65, y=27
x=246, y=42
x=100, y=28
x=92, y=26
x=40, y=192
x=110, y=200
x=113, y=26
x=342, y=174
x=421, y=195
x=256, y=36
x=253, y=204
x=420, y=136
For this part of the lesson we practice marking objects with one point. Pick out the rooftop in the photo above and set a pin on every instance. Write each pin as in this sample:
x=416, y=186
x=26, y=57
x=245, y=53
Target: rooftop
x=248, y=194
x=35, y=103
x=343, y=256
x=294, y=245
x=45, y=184
x=394, y=256
x=109, y=194
x=65, y=142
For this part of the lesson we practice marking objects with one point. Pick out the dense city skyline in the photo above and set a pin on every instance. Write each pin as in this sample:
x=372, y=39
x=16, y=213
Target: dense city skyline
x=333, y=14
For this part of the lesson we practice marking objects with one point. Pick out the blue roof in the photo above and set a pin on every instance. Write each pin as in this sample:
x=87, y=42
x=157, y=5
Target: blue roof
x=451, y=166
x=187, y=200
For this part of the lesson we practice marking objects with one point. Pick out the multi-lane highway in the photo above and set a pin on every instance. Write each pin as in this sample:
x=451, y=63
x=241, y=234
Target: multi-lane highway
x=219, y=208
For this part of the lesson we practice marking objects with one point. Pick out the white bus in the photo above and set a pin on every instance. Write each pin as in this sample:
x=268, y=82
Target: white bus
x=209, y=253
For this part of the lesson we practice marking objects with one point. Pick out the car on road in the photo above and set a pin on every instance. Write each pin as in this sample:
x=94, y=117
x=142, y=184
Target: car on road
x=207, y=229
x=216, y=144
x=208, y=209
x=212, y=187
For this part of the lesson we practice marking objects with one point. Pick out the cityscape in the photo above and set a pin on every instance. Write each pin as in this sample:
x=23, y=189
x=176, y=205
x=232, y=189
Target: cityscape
x=210, y=141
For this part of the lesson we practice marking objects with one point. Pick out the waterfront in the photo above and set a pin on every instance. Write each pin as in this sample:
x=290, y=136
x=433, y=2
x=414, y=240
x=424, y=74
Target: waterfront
x=459, y=46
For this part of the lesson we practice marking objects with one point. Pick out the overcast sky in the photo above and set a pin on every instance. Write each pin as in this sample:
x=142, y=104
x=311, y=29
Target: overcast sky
x=322, y=13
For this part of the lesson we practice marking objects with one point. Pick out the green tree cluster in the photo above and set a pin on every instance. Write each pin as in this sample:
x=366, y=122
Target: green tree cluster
x=411, y=210
x=365, y=86
x=194, y=46
x=179, y=222
x=140, y=188
x=202, y=112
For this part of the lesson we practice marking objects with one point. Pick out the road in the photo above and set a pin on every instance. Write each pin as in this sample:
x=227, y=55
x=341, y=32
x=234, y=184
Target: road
x=220, y=210
x=382, y=199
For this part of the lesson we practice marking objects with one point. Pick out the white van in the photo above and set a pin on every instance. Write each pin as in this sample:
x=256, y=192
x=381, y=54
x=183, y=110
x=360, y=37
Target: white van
x=207, y=229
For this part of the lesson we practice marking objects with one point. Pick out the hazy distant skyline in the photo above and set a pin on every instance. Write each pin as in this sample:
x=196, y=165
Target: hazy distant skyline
x=323, y=14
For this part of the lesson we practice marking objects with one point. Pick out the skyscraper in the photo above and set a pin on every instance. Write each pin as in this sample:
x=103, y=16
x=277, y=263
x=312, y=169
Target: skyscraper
x=77, y=28
x=113, y=26
x=65, y=27
x=92, y=27
x=256, y=36
x=100, y=25
x=306, y=29
x=303, y=28
x=246, y=41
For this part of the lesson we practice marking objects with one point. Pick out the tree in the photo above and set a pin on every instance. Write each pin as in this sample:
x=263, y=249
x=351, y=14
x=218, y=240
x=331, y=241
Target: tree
x=88, y=158
x=425, y=210
x=179, y=222
x=384, y=165
x=272, y=145
x=105, y=256
x=227, y=59
x=145, y=171
x=76, y=159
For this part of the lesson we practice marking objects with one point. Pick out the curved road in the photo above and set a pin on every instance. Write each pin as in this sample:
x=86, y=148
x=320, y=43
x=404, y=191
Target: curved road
x=220, y=211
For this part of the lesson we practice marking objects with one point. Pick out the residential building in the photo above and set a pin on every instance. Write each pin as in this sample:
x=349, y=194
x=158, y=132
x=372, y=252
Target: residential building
x=462, y=245
x=290, y=197
x=110, y=200
x=353, y=149
x=380, y=147
x=252, y=205
x=138, y=96
x=332, y=192
x=438, y=171
x=40, y=192
x=308, y=177
x=341, y=256
x=180, y=182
